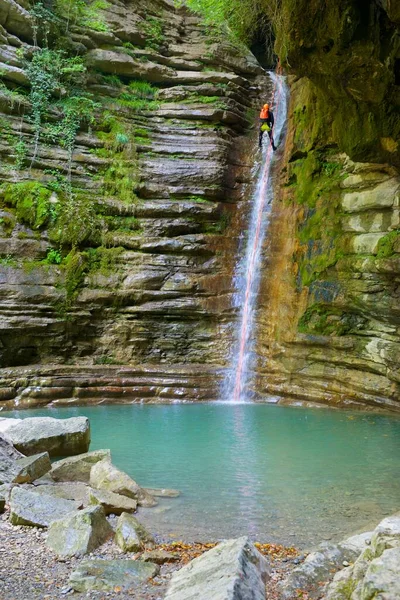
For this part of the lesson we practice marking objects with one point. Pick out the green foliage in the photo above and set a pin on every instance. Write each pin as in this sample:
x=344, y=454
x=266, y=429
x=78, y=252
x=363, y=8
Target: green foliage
x=139, y=96
x=76, y=222
x=50, y=71
x=237, y=18
x=323, y=319
x=7, y=225
x=74, y=266
x=105, y=359
x=31, y=201
x=16, y=141
x=121, y=176
x=53, y=256
x=153, y=29
x=8, y=261
x=86, y=13
x=386, y=245
x=103, y=259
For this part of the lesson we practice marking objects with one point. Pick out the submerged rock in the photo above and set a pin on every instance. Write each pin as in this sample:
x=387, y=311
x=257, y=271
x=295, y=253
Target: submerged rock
x=233, y=570
x=79, y=533
x=113, y=504
x=105, y=476
x=59, y=437
x=130, y=535
x=27, y=507
x=105, y=575
x=162, y=492
x=77, y=468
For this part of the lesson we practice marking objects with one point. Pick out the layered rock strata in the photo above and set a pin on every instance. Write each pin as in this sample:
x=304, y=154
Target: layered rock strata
x=158, y=175
x=329, y=319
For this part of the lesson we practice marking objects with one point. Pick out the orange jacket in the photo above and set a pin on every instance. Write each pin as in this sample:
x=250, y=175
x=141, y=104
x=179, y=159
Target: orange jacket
x=264, y=114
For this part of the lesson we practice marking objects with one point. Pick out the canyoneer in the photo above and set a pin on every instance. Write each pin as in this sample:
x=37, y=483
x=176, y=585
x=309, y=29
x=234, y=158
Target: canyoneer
x=266, y=125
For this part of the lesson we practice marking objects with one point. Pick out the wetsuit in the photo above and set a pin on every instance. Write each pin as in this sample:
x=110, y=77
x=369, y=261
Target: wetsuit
x=270, y=122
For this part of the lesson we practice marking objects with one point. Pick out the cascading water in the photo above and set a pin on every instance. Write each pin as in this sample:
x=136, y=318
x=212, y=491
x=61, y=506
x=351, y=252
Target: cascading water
x=248, y=269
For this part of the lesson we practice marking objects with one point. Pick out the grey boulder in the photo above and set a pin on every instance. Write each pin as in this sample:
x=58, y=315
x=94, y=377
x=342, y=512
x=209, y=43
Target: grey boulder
x=77, y=468
x=233, y=570
x=113, y=504
x=30, y=508
x=130, y=535
x=105, y=476
x=79, y=533
x=105, y=575
x=58, y=437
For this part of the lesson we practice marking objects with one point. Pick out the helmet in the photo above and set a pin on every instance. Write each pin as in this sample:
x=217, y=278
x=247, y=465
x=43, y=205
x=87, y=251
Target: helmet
x=266, y=106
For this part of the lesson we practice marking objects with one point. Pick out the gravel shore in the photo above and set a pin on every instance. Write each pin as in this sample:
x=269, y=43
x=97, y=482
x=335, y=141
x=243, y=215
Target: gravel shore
x=28, y=570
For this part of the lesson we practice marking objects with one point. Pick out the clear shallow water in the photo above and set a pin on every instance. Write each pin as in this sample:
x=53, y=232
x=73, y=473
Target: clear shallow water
x=294, y=476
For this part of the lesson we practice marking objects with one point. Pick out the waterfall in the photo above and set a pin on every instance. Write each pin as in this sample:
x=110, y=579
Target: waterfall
x=247, y=273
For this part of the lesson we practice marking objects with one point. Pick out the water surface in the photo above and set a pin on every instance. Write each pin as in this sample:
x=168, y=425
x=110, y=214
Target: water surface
x=288, y=475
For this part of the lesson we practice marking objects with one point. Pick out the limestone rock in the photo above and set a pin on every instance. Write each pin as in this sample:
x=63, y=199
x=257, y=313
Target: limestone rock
x=320, y=565
x=233, y=570
x=33, y=467
x=79, y=533
x=59, y=437
x=130, y=535
x=7, y=449
x=382, y=579
x=105, y=575
x=77, y=491
x=77, y=468
x=105, y=476
x=113, y=504
x=30, y=508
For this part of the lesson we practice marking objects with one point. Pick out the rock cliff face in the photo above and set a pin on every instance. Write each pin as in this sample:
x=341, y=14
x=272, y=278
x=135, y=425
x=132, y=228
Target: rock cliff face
x=329, y=319
x=119, y=213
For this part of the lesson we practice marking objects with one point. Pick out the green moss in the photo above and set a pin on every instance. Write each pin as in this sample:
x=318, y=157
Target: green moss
x=386, y=245
x=139, y=96
x=76, y=222
x=7, y=224
x=325, y=319
x=153, y=29
x=103, y=259
x=31, y=201
x=346, y=589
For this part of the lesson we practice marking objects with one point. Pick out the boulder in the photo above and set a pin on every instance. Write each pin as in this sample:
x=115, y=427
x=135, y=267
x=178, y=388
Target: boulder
x=77, y=468
x=69, y=491
x=79, y=533
x=59, y=437
x=105, y=476
x=320, y=566
x=233, y=570
x=382, y=579
x=23, y=470
x=105, y=575
x=33, y=467
x=27, y=507
x=130, y=535
x=113, y=504
x=7, y=449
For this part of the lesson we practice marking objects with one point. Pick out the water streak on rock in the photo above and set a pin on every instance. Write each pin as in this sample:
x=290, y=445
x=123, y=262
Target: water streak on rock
x=248, y=270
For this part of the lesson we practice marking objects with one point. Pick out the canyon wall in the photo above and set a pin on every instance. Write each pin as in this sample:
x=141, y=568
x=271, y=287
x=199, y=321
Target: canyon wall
x=329, y=317
x=117, y=250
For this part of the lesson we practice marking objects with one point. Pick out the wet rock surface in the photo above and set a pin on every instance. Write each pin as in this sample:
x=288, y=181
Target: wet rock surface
x=166, y=297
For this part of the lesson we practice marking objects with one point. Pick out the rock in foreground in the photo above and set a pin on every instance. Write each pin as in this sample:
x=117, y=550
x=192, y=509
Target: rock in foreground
x=105, y=476
x=233, y=570
x=77, y=468
x=58, y=437
x=79, y=533
x=113, y=504
x=39, y=510
x=130, y=535
x=105, y=575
